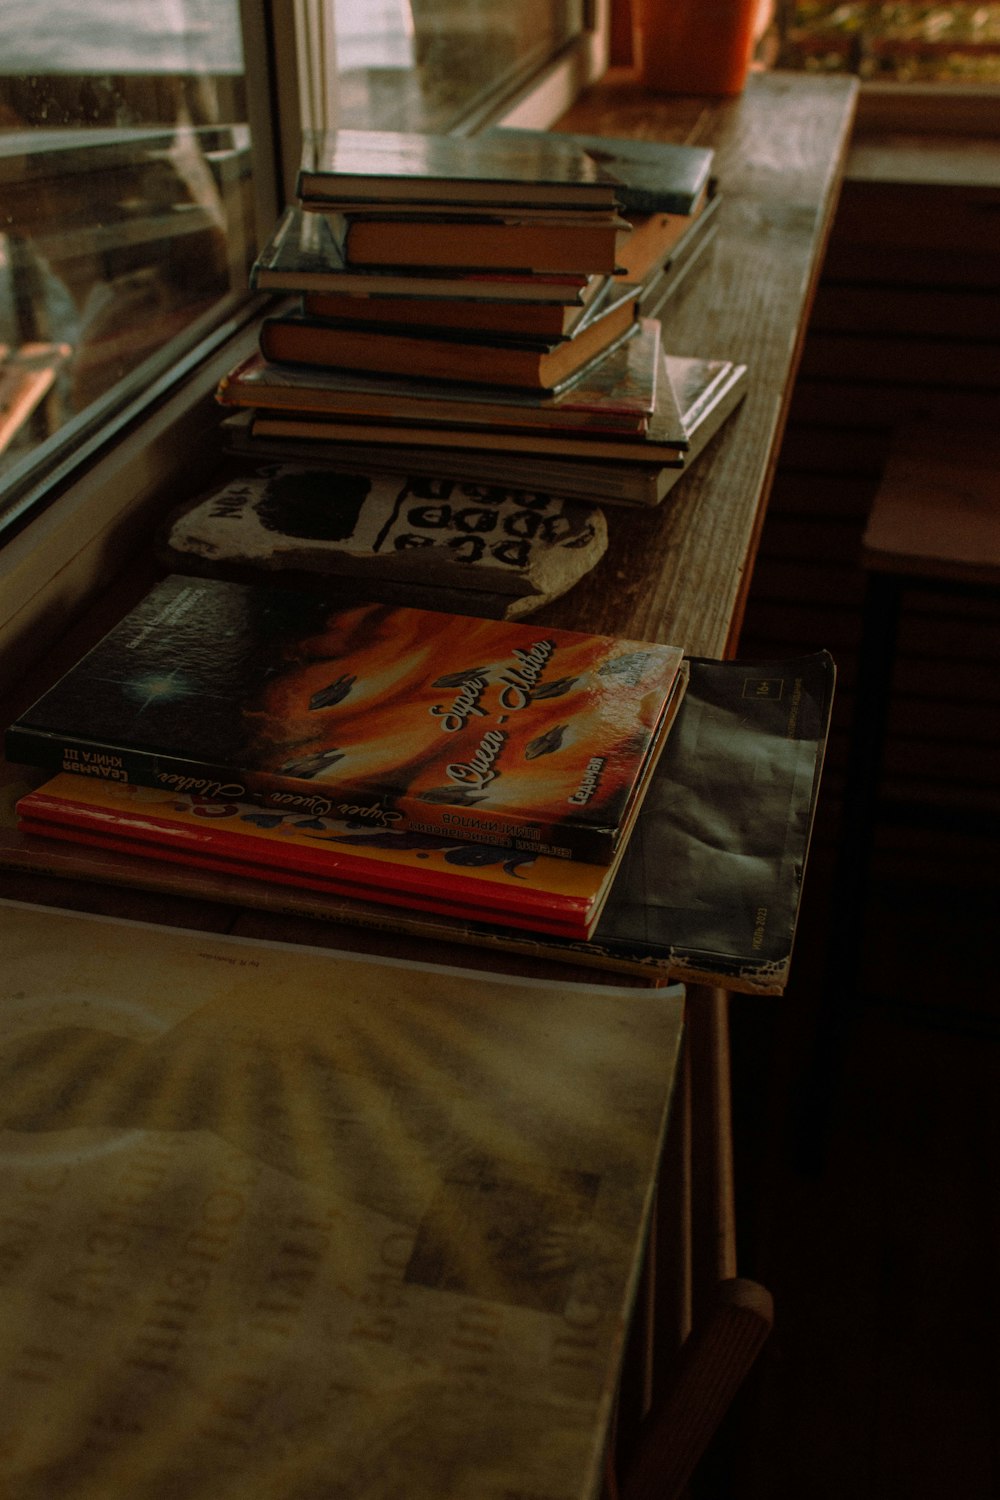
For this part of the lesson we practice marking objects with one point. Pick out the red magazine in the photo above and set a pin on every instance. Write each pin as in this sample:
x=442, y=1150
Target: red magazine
x=484, y=883
x=483, y=731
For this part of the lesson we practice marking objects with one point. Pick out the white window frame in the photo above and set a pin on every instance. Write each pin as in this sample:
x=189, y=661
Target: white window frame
x=85, y=535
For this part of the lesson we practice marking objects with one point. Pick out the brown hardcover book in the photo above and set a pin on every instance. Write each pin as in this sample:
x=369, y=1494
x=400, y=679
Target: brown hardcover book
x=650, y=177
x=654, y=239
x=295, y=339
x=663, y=440
x=612, y=447
x=615, y=393
x=303, y=255
x=590, y=243
x=534, y=320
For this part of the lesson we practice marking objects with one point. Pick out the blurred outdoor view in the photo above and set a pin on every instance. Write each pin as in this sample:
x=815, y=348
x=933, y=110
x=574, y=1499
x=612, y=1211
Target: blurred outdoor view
x=901, y=43
x=125, y=172
x=125, y=209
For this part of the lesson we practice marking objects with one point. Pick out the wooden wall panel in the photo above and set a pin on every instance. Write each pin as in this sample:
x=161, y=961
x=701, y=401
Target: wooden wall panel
x=906, y=324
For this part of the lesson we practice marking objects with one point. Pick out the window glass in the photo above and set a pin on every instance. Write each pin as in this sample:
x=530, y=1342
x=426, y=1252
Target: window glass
x=128, y=212
x=431, y=64
x=125, y=200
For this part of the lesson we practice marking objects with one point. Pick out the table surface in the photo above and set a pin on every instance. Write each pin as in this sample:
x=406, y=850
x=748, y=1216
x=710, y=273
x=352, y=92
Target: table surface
x=283, y=1222
x=681, y=571
x=677, y=573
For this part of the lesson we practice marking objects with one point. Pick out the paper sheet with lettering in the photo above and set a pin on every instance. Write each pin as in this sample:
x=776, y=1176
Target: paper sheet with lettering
x=281, y=1221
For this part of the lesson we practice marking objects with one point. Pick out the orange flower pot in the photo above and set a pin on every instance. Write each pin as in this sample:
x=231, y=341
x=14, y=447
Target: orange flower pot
x=695, y=46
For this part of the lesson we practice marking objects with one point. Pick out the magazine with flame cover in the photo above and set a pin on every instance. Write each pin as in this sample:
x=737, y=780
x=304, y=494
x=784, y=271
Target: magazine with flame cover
x=708, y=888
x=490, y=731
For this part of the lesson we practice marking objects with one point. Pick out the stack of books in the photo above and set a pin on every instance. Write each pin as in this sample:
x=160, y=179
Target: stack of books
x=464, y=304
x=542, y=791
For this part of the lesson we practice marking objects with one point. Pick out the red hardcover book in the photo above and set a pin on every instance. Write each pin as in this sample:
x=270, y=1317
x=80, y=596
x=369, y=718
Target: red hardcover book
x=488, y=731
x=479, y=882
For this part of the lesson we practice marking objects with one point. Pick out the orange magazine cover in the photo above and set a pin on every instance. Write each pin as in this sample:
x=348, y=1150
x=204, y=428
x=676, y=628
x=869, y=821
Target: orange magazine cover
x=487, y=731
x=484, y=882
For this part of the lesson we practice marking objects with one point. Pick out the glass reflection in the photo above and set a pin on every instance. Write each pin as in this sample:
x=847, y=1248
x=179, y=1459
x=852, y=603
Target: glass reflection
x=125, y=191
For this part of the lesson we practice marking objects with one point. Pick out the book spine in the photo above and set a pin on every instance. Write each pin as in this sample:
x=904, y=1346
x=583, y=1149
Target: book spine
x=638, y=202
x=220, y=839
x=593, y=844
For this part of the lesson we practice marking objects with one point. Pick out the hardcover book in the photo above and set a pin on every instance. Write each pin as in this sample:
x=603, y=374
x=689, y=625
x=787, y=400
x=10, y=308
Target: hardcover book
x=593, y=444
x=592, y=243
x=530, y=319
x=484, y=730
x=650, y=177
x=543, y=322
x=662, y=439
x=387, y=166
x=303, y=255
x=658, y=239
x=616, y=393
x=689, y=255
x=458, y=355
x=711, y=389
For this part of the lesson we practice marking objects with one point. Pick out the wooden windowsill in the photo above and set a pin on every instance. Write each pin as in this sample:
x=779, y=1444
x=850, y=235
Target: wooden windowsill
x=681, y=571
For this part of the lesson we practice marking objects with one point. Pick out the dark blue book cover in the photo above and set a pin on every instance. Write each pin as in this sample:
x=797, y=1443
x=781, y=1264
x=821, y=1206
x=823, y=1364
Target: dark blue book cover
x=381, y=166
x=650, y=176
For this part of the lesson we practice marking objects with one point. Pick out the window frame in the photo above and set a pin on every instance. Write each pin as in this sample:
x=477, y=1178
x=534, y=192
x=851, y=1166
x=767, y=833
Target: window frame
x=95, y=515
x=928, y=109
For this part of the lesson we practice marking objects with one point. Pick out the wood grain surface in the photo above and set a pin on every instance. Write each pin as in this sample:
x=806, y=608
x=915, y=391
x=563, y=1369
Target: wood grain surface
x=680, y=572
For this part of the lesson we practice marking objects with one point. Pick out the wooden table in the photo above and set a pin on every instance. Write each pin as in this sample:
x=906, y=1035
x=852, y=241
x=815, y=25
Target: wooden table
x=679, y=573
